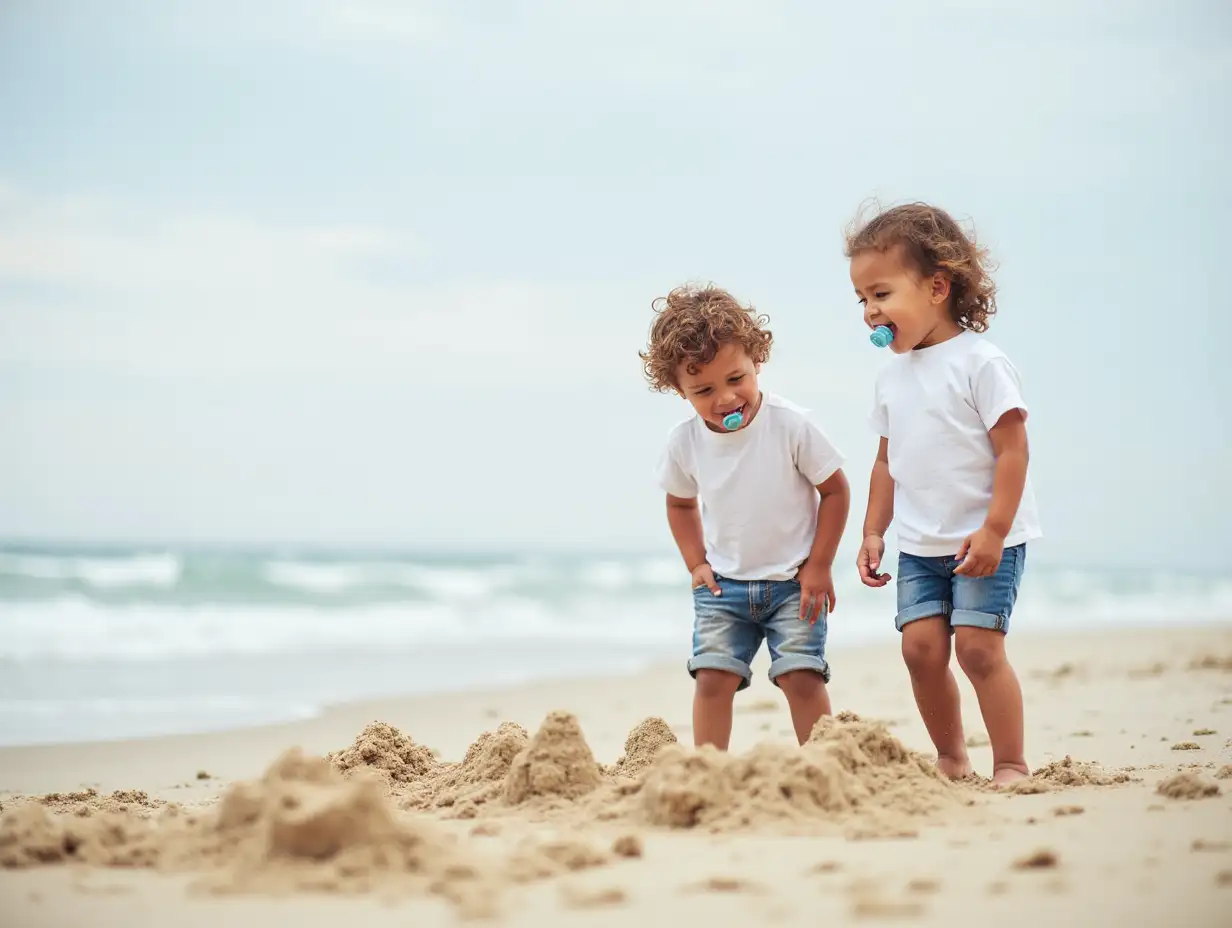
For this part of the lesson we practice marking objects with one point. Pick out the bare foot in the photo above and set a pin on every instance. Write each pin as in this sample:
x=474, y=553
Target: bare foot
x=1007, y=775
x=953, y=768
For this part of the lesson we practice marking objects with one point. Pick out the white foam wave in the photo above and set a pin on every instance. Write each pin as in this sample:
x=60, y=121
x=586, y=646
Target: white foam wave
x=149, y=570
x=77, y=628
x=320, y=578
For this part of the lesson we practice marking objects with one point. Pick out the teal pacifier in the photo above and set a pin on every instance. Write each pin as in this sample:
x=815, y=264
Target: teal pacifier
x=733, y=420
x=881, y=336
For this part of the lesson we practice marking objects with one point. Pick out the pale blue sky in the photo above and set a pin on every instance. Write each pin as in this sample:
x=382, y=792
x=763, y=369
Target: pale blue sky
x=377, y=273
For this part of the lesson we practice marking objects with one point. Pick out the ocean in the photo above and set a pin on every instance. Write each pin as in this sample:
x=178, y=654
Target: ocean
x=122, y=642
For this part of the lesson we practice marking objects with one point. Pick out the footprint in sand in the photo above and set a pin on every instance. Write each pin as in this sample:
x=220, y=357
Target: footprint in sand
x=1201, y=844
x=725, y=884
x=586, y=898
x=1042, y=859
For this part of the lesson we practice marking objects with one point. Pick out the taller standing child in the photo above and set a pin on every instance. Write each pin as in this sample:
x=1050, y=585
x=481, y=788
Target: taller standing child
x=951, y=472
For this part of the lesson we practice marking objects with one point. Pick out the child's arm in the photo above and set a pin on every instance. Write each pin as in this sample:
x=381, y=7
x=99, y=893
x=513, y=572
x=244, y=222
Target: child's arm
x=877, y=519
x=815, y=574
x=685, y=520
x=981, y=552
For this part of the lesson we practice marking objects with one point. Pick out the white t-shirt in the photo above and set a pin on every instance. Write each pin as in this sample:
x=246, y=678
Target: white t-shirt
x=757, y=487
x=936, y=406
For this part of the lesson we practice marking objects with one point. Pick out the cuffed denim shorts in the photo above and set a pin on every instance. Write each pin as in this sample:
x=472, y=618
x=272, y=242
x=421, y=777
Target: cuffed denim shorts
x=728, y=629
x=928, y=586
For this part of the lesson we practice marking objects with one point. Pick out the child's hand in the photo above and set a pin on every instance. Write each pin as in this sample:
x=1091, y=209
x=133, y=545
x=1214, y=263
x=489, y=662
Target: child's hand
x=980, y=553
x=869, y=559
x=816, y=591
x=702, y=575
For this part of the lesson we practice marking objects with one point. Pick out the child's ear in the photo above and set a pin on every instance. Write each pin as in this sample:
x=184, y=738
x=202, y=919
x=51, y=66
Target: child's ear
x=940, y=288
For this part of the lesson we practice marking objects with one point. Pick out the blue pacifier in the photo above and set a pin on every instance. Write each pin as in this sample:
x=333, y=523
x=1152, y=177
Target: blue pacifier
x=881, y=336
x=733, y=420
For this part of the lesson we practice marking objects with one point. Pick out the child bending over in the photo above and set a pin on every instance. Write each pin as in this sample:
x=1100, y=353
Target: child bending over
x=756, y=502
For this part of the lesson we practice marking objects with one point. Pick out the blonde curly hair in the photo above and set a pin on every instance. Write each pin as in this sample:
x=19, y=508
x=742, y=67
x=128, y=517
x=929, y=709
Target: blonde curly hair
x=690, y=325
x=933, y=242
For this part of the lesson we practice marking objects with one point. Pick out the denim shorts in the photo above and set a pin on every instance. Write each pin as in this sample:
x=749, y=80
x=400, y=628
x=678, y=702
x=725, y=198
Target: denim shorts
x=728, y=629
x=928, y=586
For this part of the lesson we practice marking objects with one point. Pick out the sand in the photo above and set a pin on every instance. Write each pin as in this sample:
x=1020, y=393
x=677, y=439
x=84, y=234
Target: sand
x=553, y=803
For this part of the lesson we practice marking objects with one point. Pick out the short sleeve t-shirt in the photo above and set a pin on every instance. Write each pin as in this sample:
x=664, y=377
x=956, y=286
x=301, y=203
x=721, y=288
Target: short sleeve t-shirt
x=756, y=487
x=936, y=406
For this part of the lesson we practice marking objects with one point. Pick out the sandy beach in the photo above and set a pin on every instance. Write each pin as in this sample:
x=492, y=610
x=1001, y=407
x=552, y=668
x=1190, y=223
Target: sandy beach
x=577, y=809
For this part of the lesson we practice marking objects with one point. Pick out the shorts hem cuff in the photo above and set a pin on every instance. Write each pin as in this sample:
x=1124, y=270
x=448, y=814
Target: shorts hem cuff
x=720, y=662
x=922, y=611
x=973, y=619
x=799, y=662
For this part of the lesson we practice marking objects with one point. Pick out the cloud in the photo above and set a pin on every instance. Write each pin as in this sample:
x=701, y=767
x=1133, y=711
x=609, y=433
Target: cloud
x=92, y=283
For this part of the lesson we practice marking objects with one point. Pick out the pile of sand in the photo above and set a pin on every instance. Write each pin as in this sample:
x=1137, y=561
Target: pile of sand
x=302, y=826
x=1212, y=662
x=556, y=763
x=1069, y=772
x=479, y=779
x=1187, y=785
x=386, y=751
x=505, y=764
x=643, y=745
x=91, y=802
x=849, y=771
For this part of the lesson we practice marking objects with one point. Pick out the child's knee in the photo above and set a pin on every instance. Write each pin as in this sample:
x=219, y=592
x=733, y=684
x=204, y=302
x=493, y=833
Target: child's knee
x=795, y=683
x=717, y=684
x=981, y=654
x=926, y=653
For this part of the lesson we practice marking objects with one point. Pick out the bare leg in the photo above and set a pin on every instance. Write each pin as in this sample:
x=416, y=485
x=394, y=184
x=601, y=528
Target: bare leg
x=981, y=655
x=712, y=707
x=806, y=697
x=926, y=651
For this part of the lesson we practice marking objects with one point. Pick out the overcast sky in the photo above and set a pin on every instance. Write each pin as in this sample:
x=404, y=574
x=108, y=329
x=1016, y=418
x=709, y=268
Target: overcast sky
x=363, y=273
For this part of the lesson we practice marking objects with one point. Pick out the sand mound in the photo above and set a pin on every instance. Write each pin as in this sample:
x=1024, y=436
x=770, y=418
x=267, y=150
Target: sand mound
x=388, y=752
x=557, y=762
x=301, y=826
x=91, y=802
x=31, y=836
x=1070, y=772
x=848, y=768
x=1187, y=785
x=1212, y=662
x=477, y=780
x=645, y=741
x=1224, y=772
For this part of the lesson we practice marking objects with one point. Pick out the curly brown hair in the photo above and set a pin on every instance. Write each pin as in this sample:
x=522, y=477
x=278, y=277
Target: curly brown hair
x=690, y=325
x=933, y=242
